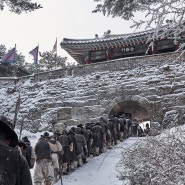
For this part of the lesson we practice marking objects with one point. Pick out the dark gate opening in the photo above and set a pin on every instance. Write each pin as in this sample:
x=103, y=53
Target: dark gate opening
x=132, y=108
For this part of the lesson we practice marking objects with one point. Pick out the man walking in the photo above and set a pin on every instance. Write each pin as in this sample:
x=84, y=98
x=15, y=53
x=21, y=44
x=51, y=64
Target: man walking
x=14, y=168
x=43, y=171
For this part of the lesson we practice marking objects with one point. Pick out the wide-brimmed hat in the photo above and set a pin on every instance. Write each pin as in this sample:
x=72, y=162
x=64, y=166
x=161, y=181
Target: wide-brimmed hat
x=80, y=125
x=25, y=139
x=98, y=123
x=70, y=132
x=45, y=135
x=64, y=132
x=22, y=144
x=7, y=127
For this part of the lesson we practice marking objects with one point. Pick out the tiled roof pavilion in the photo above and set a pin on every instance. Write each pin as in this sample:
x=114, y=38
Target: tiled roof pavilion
x=99, y=49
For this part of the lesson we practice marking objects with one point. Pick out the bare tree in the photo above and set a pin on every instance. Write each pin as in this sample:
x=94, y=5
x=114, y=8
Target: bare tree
x=166, y=16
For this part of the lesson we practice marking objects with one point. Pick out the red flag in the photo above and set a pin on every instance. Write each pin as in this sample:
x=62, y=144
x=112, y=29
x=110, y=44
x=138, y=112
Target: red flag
x=34, y=52
x=54, y=47
x=10, y=56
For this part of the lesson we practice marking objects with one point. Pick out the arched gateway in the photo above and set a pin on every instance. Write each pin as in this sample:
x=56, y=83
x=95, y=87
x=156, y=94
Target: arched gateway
x=138, y=107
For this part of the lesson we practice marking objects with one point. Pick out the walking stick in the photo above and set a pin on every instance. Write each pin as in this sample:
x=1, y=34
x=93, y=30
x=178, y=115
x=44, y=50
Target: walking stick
x=17, y=106
x=22, y=122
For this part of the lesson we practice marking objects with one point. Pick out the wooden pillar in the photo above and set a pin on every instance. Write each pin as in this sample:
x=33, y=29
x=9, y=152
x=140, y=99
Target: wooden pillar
x=109, y=53
x=88, y=58
x=154, y=47
x=176, y=47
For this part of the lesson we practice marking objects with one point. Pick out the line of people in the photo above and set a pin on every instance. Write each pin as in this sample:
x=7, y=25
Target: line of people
x=60, y=153
x=65, y=151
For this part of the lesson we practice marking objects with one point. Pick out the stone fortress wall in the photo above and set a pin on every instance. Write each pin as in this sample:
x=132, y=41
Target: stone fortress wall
x=150, y=87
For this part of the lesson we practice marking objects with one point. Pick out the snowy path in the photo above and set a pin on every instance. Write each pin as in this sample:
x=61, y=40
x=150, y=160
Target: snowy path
x=100, y=170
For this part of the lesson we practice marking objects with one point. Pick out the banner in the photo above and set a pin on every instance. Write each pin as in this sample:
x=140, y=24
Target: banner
x=10, y=56
x=54, y=47
x=34, y=53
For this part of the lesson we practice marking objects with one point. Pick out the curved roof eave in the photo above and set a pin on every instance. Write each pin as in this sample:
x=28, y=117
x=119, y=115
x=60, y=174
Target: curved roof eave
x=67, y=41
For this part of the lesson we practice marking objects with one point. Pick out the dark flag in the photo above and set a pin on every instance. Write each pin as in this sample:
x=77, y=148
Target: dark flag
x=54, y=47
x=35, y=52
x=10, y=56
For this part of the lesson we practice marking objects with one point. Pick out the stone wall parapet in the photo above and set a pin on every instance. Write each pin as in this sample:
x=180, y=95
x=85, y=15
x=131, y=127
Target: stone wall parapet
x=146, y=86
x=147, y=61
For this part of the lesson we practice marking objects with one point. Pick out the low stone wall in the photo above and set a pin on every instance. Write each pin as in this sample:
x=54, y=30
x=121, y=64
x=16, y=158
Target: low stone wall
x=128, y=63
x=8, y=81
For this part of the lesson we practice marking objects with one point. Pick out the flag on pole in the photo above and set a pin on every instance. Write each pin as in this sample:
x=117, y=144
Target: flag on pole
x=35, y=52
x=54, y=47
x=10, y=56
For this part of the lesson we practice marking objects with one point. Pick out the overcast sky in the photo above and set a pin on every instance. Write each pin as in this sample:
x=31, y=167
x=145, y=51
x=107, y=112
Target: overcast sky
x=57, y=19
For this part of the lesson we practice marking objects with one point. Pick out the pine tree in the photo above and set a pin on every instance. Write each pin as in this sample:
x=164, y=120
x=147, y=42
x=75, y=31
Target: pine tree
x=19, y=6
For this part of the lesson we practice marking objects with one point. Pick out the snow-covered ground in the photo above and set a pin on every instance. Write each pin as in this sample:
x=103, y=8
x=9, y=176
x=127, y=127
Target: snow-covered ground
x=100, y=170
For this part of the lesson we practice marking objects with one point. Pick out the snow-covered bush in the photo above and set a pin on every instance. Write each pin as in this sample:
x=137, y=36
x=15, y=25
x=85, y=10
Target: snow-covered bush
x=170, y=119
x=156, y=160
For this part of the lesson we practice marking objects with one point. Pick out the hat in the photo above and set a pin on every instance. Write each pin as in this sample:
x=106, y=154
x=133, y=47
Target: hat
x=80, y=125
x=22, y=144
x=73, y=129
x=70, y=132
x=64, y=132
x=45, y=135
x=98, y=123
x=25, y=139
x=7, y=127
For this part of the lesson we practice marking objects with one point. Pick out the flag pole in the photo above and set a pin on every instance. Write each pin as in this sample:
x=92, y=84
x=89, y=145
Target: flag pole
x=56, y=54
x=36, y=61
x=15, y=54
x=56, y=46
x=15, y=63
x=37, y=55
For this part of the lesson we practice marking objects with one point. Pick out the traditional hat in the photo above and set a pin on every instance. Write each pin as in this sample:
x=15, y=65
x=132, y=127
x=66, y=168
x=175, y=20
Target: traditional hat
x=45, y=135
x=73, y=129
x=7, y=127
x=80, y=125
x=22, y=144
x=70, y=132
x=98, y=123
x=64, y=132
x=25, y=139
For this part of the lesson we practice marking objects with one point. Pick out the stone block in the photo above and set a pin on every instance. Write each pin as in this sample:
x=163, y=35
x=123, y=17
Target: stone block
x=64, y=113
